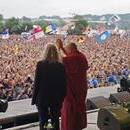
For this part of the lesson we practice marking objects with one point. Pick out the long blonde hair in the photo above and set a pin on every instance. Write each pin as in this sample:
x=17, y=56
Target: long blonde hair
x=51, y=54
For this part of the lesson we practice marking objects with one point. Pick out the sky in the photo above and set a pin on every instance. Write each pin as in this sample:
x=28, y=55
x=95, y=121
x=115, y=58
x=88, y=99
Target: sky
x=63, y=8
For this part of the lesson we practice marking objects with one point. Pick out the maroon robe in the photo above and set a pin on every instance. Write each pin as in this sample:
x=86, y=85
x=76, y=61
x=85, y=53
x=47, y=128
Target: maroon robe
x=73, y=113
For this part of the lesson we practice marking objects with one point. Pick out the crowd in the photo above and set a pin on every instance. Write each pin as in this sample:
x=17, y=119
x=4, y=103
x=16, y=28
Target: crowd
x=18, y=59
x=108, y=62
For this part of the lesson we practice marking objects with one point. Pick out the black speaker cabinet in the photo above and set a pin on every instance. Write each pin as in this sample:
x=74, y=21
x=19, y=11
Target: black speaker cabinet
x=113, y=117
x=3, y=105
x=120, y=98
x=97, y=102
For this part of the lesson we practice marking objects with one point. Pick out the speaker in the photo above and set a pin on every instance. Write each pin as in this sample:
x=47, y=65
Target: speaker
x=120, y=98
x=97, y=102
x=113, y=117
x=3, y=105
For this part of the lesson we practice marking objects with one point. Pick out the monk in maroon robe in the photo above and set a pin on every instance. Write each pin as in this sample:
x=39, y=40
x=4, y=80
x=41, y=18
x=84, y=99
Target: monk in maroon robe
x=73, y=113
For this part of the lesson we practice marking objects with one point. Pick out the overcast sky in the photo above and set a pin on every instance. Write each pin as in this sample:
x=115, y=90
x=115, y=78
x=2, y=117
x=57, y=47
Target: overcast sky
x=35, y=8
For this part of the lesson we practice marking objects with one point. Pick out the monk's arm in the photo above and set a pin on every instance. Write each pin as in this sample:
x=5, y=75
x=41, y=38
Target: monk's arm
x=64, y=51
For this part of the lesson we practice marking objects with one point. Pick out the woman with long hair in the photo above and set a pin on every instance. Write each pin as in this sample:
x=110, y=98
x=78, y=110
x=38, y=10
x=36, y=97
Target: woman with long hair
x=49, y=87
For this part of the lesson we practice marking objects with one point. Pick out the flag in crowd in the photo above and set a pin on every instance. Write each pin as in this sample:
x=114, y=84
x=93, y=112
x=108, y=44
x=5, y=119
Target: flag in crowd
x=103, y=37
x=16, y=49
x=114, y=19
x=51, y=29
x=26, y=27
x=48, y=29
x=37, y=32
x=5, y=34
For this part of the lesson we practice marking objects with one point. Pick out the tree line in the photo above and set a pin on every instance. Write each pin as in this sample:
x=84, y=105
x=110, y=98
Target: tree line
x=17, y=25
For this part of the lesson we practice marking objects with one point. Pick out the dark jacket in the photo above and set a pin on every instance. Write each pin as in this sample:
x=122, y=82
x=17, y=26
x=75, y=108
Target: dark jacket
x=50, y=84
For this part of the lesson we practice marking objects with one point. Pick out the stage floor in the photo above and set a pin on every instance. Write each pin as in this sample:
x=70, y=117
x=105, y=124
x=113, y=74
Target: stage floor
x=24, y=107
x=92, y=123
x=21, y=107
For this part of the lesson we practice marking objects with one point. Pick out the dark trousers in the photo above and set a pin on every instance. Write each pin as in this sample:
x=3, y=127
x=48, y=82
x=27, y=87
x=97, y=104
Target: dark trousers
x=53, y=114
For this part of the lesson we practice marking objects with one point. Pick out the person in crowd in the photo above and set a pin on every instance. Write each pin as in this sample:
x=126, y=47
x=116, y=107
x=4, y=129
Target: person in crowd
x=94, y=82
x=73, y=115
x=49, y=87
x=112, y=79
